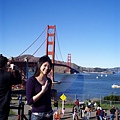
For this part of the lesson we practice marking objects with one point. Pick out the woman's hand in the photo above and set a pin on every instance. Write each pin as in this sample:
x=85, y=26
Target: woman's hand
x=45, y=86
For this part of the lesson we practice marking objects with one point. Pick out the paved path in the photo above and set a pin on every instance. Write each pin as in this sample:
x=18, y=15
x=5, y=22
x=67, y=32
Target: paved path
x=15, y=117
x=67, y=115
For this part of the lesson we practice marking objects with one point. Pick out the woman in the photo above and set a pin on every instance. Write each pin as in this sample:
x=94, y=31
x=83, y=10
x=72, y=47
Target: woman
x=74, y=113
x=38, y=91
x=88, y=112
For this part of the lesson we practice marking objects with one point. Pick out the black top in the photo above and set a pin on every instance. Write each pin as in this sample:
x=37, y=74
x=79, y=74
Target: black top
x=33, y=87
x=112, y=111
x=7, y=79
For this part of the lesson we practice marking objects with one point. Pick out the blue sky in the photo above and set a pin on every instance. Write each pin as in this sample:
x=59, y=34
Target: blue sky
x=87, y=29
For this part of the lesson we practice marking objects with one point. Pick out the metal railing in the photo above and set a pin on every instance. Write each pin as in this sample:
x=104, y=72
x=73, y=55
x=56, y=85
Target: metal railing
x=20, y=109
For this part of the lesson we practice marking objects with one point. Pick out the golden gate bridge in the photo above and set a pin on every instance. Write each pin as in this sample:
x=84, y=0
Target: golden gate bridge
x=50, y=51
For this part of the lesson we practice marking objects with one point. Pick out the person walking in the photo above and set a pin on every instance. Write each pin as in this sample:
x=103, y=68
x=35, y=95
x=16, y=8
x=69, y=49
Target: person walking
x=38, y=91
x=7, y=79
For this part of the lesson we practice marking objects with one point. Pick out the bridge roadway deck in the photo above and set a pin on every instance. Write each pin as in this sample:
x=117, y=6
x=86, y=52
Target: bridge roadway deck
x=67, y=115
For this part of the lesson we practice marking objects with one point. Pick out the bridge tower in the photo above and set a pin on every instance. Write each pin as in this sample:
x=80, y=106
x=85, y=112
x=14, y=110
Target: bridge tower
x=69, y=63
x=50, y=46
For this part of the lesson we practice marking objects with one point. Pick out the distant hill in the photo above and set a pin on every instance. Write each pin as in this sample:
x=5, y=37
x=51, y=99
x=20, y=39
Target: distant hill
x=30, y=57
x=73, y=65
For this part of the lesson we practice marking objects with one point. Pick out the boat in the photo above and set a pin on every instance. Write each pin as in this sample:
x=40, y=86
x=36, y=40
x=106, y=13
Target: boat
x=101, y=75
x=97, y=77
x=56, y=82
x=115, y=86
x=106, y=75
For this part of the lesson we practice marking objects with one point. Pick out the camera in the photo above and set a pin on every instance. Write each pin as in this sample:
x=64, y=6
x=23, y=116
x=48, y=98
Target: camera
x=13, y=67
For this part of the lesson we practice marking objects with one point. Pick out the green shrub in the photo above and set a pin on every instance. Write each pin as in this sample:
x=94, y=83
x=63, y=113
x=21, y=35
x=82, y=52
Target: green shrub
x=112, y=98
x=11, y=112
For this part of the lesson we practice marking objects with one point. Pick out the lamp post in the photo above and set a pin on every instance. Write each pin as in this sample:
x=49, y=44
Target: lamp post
x=100, y=99
x=26, y=60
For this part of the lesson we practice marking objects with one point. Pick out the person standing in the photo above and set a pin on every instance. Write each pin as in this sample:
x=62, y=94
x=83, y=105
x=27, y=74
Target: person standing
x=86, y=103
x=88, y=112
x=82, y=109
x=56, y=104
x=74, y=110
x=7, y=79
x=98, y=113
x=20, y=99
x=38, y=91
x=112, y=112
x=77, y=104
x=63, y=111
x=102, y=114
x=57, y=115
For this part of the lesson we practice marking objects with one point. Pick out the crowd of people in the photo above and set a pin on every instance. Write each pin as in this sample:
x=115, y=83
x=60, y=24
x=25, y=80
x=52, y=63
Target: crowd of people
x=84, y=110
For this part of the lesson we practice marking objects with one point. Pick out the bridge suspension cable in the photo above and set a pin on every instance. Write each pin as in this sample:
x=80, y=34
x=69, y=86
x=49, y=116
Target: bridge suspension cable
x=33, y=42
x=41, y=46
x=59, y=47
x=56, y=57
x=37, y=49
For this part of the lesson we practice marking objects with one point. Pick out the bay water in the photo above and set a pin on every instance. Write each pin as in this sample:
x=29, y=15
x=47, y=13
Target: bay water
x=86, y=86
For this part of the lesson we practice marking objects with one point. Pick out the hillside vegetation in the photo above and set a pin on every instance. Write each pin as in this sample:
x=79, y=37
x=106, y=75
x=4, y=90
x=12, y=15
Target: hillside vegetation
x=60, y=69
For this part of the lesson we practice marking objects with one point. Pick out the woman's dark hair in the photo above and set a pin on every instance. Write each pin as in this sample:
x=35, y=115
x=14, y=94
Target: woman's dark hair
x=3, y=61
x=42, y=60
